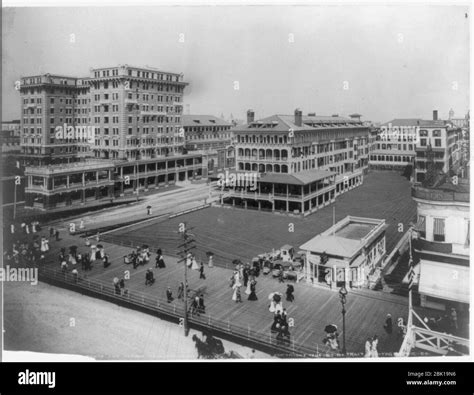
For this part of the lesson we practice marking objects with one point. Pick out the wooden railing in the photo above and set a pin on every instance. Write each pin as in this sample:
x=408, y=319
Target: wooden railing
x=176, y=312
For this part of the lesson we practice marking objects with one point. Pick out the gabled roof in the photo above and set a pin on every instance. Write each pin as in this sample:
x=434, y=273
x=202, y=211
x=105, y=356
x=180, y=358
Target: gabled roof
x=403, y=122
x=283, y=123
x=203, y=120
x=300, y=178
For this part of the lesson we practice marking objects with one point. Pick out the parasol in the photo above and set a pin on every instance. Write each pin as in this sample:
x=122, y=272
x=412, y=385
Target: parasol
x=331, y=328
x=276, y=296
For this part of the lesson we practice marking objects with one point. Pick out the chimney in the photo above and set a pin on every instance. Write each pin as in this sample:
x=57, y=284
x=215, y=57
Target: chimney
x=250, y=116
x=298, y=117
x=435, y=115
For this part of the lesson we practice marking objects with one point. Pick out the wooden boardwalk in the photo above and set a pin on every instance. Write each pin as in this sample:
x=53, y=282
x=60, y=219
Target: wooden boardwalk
x=312, y=309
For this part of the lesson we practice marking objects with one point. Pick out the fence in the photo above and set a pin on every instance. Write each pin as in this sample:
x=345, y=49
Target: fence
x=175, y=311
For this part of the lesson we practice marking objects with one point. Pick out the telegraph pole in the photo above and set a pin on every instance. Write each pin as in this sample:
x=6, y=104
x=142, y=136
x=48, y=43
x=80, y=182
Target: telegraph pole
x=185, y=248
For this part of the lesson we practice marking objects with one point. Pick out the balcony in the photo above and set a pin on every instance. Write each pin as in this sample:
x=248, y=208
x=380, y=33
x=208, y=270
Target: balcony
x=439, y=195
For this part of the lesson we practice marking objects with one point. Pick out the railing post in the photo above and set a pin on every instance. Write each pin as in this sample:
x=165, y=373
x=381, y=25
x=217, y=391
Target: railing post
x=248, y=331
x=209, y=320
x=228, y=325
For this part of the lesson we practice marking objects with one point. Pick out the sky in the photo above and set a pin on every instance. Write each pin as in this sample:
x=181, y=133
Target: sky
x=381, y=61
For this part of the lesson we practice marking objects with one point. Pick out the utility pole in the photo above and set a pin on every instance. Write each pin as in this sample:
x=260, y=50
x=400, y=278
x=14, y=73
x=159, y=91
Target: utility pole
x=184, y=249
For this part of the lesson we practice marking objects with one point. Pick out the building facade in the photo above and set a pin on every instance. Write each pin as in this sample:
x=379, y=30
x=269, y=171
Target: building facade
x=394, y=145
x=350, y=252
x=134, y=113
x=442, y=245
x=96, y=182
x=302, y=162
x=438, y=141
x=213, y=137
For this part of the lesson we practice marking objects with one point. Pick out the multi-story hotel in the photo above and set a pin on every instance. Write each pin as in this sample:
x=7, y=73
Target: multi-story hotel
x=49, y=101
x=137, y=139
x=394, y=145
x=438, y=141
x=442, y=244
x=212, y=137
x=136, y=112
x=302, y=162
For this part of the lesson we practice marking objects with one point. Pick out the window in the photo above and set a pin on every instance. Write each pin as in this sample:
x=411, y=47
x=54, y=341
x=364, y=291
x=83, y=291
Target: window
x=423, y=133
x=438, y=229
x=423, y=142
x=437, y=142
x=421, y=226
x=436, y=133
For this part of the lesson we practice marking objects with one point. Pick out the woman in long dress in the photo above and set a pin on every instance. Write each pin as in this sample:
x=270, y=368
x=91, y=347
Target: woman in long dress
x=236, y=289
x=189, y=260
x=253, y=286
x=375, y=342
x=195, y=265
x=93, y=253
x=248, y=290
x=368, y=348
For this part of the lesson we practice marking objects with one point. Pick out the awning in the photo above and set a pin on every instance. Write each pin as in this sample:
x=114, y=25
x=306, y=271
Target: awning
x=444, y=281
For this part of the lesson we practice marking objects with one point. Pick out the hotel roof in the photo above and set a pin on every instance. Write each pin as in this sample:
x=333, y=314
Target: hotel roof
x=203, y=120
x=301, y=178
x=403, y=122
x=283, y=123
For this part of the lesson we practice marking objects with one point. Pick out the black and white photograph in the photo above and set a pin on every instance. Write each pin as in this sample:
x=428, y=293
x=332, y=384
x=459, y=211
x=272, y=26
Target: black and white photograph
x=253, y=181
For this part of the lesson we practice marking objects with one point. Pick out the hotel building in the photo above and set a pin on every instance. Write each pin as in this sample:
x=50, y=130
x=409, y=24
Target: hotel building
x=137, y=141
x=394, y=145
x=442, y=245
x=302, y=162
x=438, y=141
x=212, y=136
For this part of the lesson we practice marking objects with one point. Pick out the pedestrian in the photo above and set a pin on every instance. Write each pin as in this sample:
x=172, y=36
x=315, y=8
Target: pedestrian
x=280, y=276
x=116, y=283
x=169, y=295
x=388, y=324
x=201, y=271
x=57, y=235
x=148, y=210
x=368, y=348
x=246, y=276
x=159, y=262
x=236, y=297
x=375, y=343
x=51, y=232
x=195, y=306
x=202, y=308
x=253, y=286
x=454, y=318
x=75, y=274
x=180, y=290
x=289, y=293
x=149, y=278
x=106, y=261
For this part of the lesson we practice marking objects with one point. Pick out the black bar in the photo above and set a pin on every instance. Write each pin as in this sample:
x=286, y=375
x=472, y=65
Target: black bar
x=288, y=377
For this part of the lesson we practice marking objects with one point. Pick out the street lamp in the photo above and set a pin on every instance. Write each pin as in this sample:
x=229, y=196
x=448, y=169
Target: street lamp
x=342, y=296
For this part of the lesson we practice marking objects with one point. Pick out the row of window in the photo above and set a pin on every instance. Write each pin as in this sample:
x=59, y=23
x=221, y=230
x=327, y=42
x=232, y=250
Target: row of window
x=395, y=146
x=390, y=158
x=137, y=73
x=434, y=133
x=424, y=142
x=225, y=136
